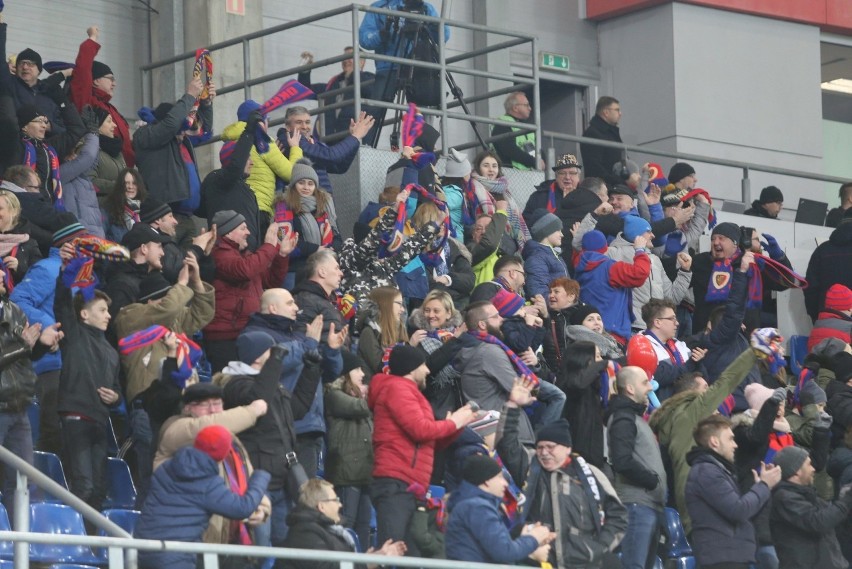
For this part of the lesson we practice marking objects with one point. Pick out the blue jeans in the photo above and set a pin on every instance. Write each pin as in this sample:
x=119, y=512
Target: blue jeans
x=766, y=557
x=274, y=531
x=16, y=435
x=638, y=548
x=356, y=511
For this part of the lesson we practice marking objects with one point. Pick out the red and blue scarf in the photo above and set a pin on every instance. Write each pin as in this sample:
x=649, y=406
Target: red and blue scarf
x=392, y=241
x=284, y=217
x=31, y=161
x=719, y=287
x=607, y=374
x=289, y=93
x=523, y=370
x=202, y=68
x=187, y=356
x=809, y=371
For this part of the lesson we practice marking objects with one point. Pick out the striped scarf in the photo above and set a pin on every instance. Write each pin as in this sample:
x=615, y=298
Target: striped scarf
x=235, y=470
x=31, y=161
x=607, y=379
x=517, y=227
x=391, y=242
x=284, y=217
x=202, y=68
x=187, y=356
x=522, y=368
x=551, y=198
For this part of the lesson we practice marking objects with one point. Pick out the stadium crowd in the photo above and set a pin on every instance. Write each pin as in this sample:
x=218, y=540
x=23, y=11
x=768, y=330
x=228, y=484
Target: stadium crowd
x=564, y=369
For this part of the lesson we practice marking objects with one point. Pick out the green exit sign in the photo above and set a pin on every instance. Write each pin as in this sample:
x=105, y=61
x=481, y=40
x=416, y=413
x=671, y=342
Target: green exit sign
x=555, y=61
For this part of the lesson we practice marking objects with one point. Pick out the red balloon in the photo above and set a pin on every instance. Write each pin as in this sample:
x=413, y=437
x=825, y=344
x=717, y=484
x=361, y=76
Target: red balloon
x=640, y=353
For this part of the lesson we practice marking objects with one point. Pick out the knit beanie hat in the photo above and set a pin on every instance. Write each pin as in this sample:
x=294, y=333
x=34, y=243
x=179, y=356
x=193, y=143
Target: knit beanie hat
x=404, y=359
x=680, y=171
x=30, y=55
x=226, y=221
x=245, y=109
x=214, y=441
x=67, y=228
x=757, y=394
x=153, y=209
x=251, y=345
x=566, y=161
x=479, y=468
x=790, y=459
x=558, y=432
x=812, y=394
x=351, y=362
x=634, y=226
x=162, y=111
x=771, y=194
x=729, y=230
x=302, y=170
x=547, y=224
x=227, y=153
x=458, y=166
x=153, y=286
x=26, y=114
x=838, y=298
x=100, y=70
x=507, y=303
x=581, y=312
x=842, y=365
x=594, y=241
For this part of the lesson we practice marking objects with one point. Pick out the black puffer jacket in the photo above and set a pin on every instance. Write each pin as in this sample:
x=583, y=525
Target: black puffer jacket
x=831, y=262
x=311, y=529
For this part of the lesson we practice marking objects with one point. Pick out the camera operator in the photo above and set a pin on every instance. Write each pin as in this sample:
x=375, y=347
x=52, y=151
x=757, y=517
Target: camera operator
x=396, y=36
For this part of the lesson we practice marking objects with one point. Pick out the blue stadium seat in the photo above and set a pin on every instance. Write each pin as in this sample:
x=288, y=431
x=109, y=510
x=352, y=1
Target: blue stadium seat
x=112, y=442
x=676, y=544
x=354, y=537
x=58, y=519
x=798, y=351
x=49, y=464
x=6, y=564
x=7, y=548
x=121, y=493
x=125, y=519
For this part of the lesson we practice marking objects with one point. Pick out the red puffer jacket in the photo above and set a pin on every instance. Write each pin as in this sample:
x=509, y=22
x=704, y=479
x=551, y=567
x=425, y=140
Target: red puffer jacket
x=405, y=432
x=241, y=278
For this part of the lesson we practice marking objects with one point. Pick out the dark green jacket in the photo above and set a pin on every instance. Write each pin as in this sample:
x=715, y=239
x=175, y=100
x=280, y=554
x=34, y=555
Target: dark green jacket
x=350, y=438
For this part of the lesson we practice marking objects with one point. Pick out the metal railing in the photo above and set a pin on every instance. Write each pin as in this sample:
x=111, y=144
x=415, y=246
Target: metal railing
x=25, y=472
x=444, y=65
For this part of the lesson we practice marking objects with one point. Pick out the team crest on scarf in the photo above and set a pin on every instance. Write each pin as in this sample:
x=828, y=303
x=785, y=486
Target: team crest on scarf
x=721, y=279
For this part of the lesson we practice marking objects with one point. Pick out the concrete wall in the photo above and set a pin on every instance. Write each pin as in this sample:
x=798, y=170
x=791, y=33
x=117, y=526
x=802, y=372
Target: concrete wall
x=720, y=84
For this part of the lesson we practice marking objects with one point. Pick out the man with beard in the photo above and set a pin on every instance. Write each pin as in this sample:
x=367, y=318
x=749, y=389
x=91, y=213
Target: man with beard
x=404, y=440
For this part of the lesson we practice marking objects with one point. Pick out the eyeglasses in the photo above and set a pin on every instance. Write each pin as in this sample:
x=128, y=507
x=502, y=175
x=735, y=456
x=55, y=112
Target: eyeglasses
x=110, y=78
x=41, y=120
x=335, y=499
x=26, y=63
x=672, y=318
x=523, y=105
x=209, y=404
x=547, y=447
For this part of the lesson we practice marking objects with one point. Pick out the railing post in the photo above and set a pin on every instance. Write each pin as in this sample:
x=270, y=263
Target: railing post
x=746, y=187
x=346, y=565
x=246, y=70
x=442, y=59
x=536, y=102
x=211, y=560
x=356, y=62
x=116, y=558
x=22, y=520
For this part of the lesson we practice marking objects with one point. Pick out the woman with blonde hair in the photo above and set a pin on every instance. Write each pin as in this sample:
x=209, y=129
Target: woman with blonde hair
x=17, y=250
x=380, y=325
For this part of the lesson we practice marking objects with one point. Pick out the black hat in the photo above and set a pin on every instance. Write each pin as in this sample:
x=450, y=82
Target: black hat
x=479, y=468
x=405, y=359
x=427, y=138
x=153, y=286
x=26, y=114
x=67, y=228
x=226, y=221
x=153, y=209
x=680, y=171
x=30, y=55
x=350, y=362
x=842, y=365
x=201, y=392
x=558, y=432
x=579, y=313
x=771, y=194
x=100, y=70
x=162, y=110
x=140, y=234
x=621, y=189
x=790, y=459
x=566, y=161
x=729, y=230
x=251, y=345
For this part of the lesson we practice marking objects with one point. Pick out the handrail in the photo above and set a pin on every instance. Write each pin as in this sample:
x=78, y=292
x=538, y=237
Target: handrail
x=240, y=550
x=45, y=483
x=697, y=158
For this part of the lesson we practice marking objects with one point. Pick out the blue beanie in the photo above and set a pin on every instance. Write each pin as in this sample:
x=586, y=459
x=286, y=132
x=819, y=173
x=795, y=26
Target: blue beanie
x=251, y=345
x=245, y=109
x=594, y=241
x=634, y=226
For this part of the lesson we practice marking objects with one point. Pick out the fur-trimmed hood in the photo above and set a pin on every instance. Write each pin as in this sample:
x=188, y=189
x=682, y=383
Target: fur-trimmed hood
x=418, y=321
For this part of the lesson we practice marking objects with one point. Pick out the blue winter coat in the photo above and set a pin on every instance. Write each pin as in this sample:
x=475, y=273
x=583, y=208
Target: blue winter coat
x=542, y=264
x=476, y=531
x=35, y=297
x=185, y=491
x=287, y=332
x=79, y=193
